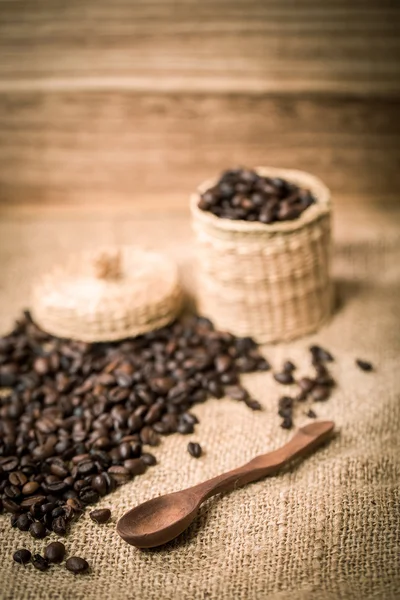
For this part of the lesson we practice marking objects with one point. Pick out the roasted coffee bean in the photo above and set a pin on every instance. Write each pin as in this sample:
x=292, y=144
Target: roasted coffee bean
x=149, y=436
x=99, y=484
x=244, y=194
x=11, y=506
x=9, y=464
x=320, y=393
x=17, y=478
x=135, y=466
x=364, y=365
x=288, y=366
x=306, y=384
x=120, y=474
x=185, y=428
x=253, y=404
x=30, y=488
x=101, y=515
x=54, y=552
x=148, y=459
x=194, y=449
x=286, y=378
x=59, y=526
x=22, y=556
x=311, y=414
x=12, y=491
x=88, y=495
x=37, y=530
x=33, y=500
x=24, y=521
x=39, y=562
x=237, y=392
x=75, y=564
x=287, y=422
x=320, y=354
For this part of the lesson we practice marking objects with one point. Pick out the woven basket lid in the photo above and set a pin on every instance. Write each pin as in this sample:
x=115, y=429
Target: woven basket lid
x=108, y=294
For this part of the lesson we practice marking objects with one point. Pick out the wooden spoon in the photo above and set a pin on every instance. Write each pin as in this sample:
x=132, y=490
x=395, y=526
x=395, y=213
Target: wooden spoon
x=162, y=519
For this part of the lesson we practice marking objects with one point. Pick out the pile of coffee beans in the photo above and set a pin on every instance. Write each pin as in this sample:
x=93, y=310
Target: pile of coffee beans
x=243, y=194
x=54, y=553
x=75, y=418
x=317, y=388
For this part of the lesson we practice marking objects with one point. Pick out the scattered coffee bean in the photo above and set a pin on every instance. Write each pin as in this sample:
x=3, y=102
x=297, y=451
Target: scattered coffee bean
x=59, y=526
x=37, y=530
x=364, y=365
x=148, y=459
x=39, y=562
x=287, y=422
x=101, y=515
x=253, y=404
x=245, y=195
x=194, y=449
x=288, y=366
x=22, y=556
x=286, y=378
x=55, y=552
x=76, y=565
x=320, y=393
x=320, y=354
x=24, y=522
x=311, y=414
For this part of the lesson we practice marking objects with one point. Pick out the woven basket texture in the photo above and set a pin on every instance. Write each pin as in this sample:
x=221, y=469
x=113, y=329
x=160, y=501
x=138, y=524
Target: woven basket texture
x=271, y=282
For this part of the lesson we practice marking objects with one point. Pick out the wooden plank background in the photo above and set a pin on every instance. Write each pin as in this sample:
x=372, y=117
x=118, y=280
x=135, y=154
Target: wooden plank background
x=129, y=104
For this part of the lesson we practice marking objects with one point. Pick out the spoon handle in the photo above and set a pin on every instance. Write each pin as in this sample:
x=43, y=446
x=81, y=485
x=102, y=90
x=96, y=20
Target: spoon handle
x=305, y=439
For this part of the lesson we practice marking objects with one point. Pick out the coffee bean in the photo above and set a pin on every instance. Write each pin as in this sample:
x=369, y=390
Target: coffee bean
x=11, y=506
x=320, y=354
x=59, y=526
x=55, y=552
x=75, y=564
x=286, y=378
x=288, y=366
x=249, y=196
x=364, y=365
x=9, y=464
x=135, y=466
x=253, y=404
x=17, y=478
x=24, y=522
x=194, y=449
x=101, y=515
x=287, y=422
x=237, y=392
x=148, y=459
x=311, y=414
x=22, y=556
x=185, y=428
x=320, y=393
x=88, y=495
x=37, y=530
x=120, y=474
x=306, y=384
x=39, y=562
x=30, y=488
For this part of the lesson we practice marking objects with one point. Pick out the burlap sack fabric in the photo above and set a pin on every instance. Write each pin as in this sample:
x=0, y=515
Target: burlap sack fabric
x=267, y=281
x=327, y=529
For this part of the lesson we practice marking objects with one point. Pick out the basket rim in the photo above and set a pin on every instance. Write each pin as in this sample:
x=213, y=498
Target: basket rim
x=321, y=208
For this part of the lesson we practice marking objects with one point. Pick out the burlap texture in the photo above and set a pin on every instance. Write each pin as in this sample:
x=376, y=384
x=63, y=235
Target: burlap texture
x=327, y=529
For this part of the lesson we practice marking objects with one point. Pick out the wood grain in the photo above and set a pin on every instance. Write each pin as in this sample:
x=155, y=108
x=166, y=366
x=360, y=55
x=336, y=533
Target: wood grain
x=212, y=45
x=100, y=149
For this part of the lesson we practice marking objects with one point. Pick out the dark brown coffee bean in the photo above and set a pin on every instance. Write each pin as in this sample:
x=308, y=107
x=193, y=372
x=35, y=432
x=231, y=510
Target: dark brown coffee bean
x=33, y=500
x=22, y=556
x=12, y=491
x=148, y=436
x=306, y=384
x=39, y=562
x=11, y=506
x=288, y=366
x=120, y=474
x=285, y=378
x=37, y=530
x=148, y=459
x=76, y=565
x=55, y=552
x=17, y=478
x=287, y=422
x=194, y=449
x=99, y=484
x=59, y=526
x=320, y=393
x=237, y=392
x=320, y=354
x=24, y=521
x=135, y=466
x=88, y=495
x=101, y=515
x=253, y=404
x=311, y=414
x=185, y=428
x=9, y=464
x=364, y=365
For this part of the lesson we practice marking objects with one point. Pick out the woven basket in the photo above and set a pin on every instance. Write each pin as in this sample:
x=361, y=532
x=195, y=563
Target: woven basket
x=107, y=295
x=270, y=282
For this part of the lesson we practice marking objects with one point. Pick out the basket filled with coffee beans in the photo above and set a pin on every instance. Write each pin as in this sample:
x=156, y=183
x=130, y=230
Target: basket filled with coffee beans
x=263, y=252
